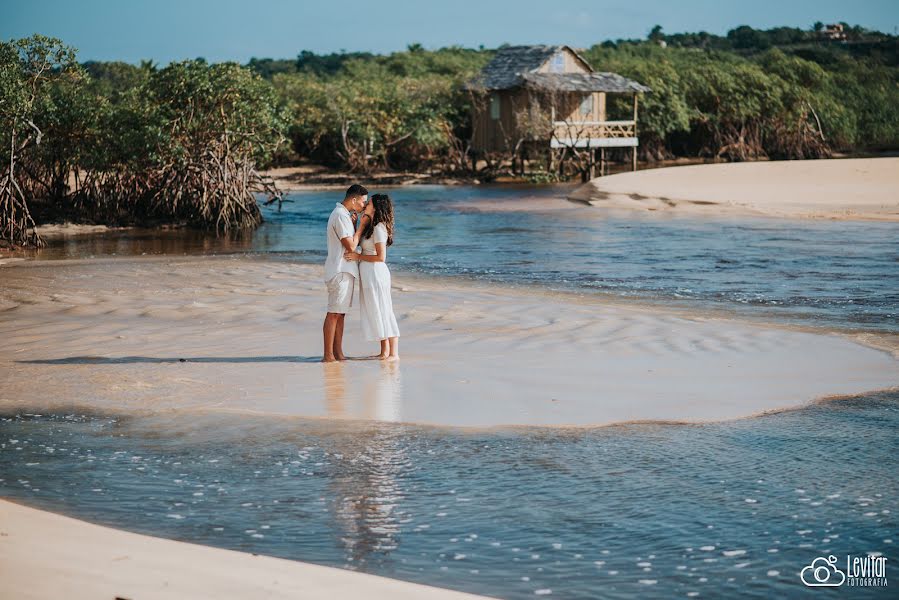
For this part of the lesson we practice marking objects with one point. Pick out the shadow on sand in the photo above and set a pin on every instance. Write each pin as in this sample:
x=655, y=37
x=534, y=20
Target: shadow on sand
x=124, y=360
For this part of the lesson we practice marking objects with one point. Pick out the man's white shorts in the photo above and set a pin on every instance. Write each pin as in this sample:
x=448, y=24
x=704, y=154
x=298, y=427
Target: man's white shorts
x=340, y=293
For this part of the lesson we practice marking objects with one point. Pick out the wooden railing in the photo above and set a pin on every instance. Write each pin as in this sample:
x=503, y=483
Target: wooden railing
x=580, y=130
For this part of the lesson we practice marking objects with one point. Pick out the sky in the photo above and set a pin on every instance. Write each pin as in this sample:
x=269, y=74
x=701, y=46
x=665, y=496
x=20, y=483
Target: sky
x=219, y=30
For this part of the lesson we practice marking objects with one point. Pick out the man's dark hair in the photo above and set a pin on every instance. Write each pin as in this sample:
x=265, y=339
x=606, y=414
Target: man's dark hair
x=355, y=190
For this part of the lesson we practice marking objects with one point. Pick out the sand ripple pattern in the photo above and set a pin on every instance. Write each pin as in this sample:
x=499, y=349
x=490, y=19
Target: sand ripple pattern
x=243, y=334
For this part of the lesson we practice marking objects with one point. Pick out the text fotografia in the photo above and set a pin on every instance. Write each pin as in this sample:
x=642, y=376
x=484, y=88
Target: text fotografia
x=861, y=571
x=866, y=571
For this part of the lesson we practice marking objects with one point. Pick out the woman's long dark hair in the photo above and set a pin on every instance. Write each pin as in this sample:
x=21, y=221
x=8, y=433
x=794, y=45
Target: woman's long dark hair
x=383, y=214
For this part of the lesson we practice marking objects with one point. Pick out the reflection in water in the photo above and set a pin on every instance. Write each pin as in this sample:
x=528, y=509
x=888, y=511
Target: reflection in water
x=380, y=391
x=367, y=493
x=366, y=485
x=384, y=397
x=365, y=481
x=335, y=389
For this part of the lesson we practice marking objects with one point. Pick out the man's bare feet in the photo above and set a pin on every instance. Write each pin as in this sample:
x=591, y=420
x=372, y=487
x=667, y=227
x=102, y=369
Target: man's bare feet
x=340, y=357
x=392, y=358
x=329, y=359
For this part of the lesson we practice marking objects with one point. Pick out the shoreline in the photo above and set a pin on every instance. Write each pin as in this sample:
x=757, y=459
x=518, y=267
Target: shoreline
x=47, y=555
x=841, y=188
x=862, y=189
x=647, y=364
x=502, y=429
x=309, y=177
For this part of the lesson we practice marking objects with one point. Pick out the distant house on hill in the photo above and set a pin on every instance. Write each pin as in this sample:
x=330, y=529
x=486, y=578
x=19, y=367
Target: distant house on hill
x=532, y=97
x=834, y=32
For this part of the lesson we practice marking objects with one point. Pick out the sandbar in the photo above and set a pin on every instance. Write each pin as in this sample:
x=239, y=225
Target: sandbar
x=836, y=189
x=243, y=334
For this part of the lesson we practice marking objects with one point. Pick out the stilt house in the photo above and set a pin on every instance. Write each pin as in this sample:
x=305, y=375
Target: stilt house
x=539, y=96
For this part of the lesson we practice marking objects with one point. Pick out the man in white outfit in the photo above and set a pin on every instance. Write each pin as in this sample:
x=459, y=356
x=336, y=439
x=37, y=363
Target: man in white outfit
x=341, y=274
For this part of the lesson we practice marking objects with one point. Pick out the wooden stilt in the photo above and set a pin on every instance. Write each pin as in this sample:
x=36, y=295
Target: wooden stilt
x=634, y=148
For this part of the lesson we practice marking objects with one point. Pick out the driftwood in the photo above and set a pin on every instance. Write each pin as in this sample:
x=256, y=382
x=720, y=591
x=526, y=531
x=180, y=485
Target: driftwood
x=212, y=190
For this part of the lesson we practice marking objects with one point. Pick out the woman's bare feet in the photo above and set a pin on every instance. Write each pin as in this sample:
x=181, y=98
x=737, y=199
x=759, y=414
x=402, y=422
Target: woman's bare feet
x=394, y=345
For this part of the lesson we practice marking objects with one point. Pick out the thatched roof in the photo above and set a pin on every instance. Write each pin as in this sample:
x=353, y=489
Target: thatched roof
x=583, y=82
x=516, y=66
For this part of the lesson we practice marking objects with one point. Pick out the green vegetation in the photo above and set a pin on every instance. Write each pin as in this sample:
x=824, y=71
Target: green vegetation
x=117, y=143
x=181, y=144
x=406, y=110
x=779, y=93
x=36, y=75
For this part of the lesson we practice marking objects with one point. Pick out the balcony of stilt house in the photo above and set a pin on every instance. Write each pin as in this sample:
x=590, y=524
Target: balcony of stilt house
x=548, y=100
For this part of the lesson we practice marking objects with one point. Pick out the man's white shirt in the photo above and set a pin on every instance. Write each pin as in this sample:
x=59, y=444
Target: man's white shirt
x=340, y=225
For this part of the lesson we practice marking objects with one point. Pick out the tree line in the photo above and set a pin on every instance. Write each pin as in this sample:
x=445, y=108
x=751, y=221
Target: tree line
x=112, y=142
x=132, y=145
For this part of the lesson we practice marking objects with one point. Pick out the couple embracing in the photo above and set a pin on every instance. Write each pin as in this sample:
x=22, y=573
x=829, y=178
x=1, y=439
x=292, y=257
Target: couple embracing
x=359, y=221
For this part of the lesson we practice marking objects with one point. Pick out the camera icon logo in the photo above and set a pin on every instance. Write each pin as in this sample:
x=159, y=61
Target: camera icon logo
x=823, y=572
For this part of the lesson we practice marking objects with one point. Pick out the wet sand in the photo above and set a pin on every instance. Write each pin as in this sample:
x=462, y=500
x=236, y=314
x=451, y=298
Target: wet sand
x=841, y=189
x=244, y=334
x=90, y=561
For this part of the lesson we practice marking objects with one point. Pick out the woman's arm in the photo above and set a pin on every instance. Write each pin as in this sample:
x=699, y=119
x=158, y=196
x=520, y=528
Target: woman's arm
x=351, y=243
x=381, y=256
x=363, y=222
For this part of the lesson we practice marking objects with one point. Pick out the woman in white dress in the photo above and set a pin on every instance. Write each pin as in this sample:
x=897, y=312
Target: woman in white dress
x=378, y=320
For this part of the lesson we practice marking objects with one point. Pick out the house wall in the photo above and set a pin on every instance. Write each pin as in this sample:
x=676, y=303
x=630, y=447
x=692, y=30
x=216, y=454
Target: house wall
x=569, y=108
x=572, y=64
x=496, y=135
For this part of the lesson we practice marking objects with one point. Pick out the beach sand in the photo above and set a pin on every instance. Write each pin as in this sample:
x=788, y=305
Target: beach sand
x=856, y=188
x=43, y=555
x=244, y=334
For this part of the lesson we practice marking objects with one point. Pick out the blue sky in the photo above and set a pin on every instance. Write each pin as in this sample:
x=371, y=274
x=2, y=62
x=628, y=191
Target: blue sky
x=165, y=30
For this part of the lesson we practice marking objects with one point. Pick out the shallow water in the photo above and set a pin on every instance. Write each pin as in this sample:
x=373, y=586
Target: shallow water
x=654, y=511
x=821, y=273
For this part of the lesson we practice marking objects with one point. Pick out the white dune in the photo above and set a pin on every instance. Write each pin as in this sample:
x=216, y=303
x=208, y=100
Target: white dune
x=43, y=555
x=859, y=188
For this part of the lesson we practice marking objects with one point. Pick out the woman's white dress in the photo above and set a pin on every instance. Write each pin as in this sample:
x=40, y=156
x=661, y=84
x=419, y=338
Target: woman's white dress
x=378, y=320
